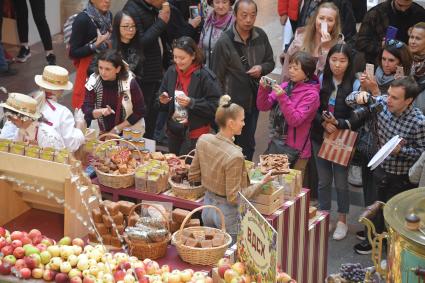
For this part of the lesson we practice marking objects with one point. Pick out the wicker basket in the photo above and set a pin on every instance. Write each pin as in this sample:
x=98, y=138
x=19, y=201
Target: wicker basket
x=201, y=256
x=141, y=249
x=116, y=181
x=186, y=191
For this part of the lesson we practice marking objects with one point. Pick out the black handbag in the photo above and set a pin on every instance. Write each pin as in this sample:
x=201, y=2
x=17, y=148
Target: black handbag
x=277, y=143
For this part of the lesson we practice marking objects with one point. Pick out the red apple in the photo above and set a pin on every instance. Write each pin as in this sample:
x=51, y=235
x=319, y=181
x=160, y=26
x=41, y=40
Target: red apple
x=222, y=269
x=78, y=242
x=3, y=242
x=31, y=262
x=2, y=232
x=124, y=265
x=7, y=250
x=76, y=279
x=140, y=272
x=20, y=263
x=5, y=268
x=34, y=233
x=36, y=240
x=89, y=279
x=42, y=247
x=26, y=241
x=16, y=235
x=61, y=278
x=49, y=275
x=16, y=243
x=119, y=275
x=144, y=279
x=25, y=273
x=19, y=252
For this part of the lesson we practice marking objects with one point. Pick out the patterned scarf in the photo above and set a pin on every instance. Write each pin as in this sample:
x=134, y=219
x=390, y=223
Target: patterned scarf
x=103, y=21
x=217, y=25
x=383, y=80
x=418, y=66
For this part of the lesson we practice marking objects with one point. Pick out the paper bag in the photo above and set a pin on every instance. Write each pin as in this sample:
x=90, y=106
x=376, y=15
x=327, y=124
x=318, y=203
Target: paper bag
x=338, y=147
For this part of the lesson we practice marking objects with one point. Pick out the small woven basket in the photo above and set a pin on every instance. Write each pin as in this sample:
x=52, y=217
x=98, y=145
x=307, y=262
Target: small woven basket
x=183, y=190
x=142, y=249
x=201, y=256
x=121, y=181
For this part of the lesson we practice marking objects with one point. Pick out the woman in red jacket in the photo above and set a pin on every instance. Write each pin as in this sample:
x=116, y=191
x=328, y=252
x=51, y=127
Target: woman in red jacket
x=288, y=9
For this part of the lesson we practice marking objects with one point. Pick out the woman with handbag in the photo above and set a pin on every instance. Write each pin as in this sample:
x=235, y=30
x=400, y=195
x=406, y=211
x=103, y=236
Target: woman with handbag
x=220, y=166
x=337, y=82
x=113, y=96
x=190, y=93
x=295, y=104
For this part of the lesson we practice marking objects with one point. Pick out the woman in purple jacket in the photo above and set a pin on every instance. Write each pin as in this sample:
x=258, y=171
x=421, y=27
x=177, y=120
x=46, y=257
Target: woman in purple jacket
x=293, y=104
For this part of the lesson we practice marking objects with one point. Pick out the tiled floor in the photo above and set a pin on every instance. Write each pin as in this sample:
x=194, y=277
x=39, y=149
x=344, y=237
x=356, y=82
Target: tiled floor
x=339, y=251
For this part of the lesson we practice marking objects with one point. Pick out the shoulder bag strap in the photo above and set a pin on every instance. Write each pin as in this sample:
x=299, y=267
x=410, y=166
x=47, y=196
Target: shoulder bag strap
x=238, y=49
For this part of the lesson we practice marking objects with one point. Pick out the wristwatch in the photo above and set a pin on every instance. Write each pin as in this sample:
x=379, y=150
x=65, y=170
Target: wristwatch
x=116, y=130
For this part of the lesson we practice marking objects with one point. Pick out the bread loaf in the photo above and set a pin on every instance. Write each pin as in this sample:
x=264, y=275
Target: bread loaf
x=179, y=214
x=125, y=206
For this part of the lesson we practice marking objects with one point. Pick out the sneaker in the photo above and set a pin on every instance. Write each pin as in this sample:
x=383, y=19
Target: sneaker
x=9, y=72
x=355, y=176
x=340, y=231
x=363, y=248
x=361, y=235
x=51, y=59
x=23, y=55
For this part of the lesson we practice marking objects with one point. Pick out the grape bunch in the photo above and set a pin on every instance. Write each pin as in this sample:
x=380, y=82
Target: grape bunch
x=352, y=272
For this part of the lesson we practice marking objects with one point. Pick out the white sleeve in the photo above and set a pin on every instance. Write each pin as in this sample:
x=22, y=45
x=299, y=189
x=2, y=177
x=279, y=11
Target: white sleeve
x=49, y=137
x=9, y=131
x=72, y=137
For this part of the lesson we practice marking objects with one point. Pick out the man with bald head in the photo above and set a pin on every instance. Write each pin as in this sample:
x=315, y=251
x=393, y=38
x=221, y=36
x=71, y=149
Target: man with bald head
x=401, y=14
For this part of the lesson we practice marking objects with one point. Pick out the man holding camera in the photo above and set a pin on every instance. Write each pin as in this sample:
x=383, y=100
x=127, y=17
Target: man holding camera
x=396, y=116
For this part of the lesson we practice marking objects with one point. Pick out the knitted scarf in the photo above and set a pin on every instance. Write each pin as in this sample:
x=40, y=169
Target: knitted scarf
x=217, y=25
x=418, y=66
x=383, y=80
x=103, y=21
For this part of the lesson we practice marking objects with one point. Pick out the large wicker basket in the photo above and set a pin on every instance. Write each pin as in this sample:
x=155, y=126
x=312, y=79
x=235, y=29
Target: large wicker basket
x=201, y=256
x=141, y=249
x=183, y=190
x=116, y=181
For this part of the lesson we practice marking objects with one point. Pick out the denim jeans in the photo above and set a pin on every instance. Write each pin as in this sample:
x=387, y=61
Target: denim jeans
x=3, y=64
x=329, y=172
x=211, y=218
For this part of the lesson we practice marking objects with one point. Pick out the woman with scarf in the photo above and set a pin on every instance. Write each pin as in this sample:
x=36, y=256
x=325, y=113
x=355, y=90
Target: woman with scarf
x=90, y=34
x=219, y=20
x=190, y=93
x=125, y=41
x=113, y=96
x=417, y=47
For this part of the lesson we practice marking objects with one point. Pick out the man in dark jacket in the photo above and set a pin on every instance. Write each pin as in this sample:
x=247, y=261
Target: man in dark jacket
x=151, y=22
x=401, y=14
x=241, y=56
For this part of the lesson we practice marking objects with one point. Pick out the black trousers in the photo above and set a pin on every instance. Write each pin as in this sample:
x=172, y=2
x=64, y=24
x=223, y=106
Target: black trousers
x=388, y=185
x=39, y=14
x=150, y=93
x=247, y=138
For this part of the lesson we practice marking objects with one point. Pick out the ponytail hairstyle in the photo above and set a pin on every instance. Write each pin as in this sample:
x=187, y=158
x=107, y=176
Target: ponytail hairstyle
x=226, y=110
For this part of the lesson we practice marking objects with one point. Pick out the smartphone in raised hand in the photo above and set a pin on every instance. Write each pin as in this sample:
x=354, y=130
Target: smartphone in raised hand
x=193, y=11
x=370, y=70
x=324, y=27
x=269, y=81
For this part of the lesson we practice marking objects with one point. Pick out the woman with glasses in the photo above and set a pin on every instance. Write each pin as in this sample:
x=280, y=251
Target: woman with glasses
x=219, y=20
x=395, y=61
x=417, y=47
x=190, y=93
x=125, y=41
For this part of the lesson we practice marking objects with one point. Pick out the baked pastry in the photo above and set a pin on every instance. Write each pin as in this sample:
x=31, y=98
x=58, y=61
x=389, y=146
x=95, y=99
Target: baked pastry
x=276, y=163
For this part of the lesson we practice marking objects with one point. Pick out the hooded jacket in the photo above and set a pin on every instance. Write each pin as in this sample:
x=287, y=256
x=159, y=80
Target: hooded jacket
x=299, y=110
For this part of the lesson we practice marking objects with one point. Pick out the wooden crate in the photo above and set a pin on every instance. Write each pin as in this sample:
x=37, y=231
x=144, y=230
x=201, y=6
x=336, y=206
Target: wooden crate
x=268, y=199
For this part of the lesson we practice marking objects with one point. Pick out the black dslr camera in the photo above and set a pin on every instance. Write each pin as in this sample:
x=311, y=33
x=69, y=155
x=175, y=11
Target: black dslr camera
x=371, y=107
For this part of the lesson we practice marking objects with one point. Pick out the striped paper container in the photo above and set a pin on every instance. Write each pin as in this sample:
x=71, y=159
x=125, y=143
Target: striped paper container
x=291, y=223
x=338, y=147
x=315, y=261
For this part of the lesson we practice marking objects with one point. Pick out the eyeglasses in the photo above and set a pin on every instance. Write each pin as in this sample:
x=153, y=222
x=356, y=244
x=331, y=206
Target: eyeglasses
x=396, y=43
x=130, y=28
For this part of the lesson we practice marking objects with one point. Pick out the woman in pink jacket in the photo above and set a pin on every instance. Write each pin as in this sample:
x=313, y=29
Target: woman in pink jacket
x=294, y=105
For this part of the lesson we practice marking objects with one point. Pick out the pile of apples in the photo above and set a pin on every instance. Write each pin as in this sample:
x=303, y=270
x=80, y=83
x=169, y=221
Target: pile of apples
x=236, y=273
x=32, y=255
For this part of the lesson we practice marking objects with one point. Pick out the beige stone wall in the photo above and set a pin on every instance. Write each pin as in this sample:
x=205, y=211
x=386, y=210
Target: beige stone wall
x=69, y=7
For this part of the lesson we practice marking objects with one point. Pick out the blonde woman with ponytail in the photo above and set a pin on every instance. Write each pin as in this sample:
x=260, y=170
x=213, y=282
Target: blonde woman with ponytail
x=220, y=166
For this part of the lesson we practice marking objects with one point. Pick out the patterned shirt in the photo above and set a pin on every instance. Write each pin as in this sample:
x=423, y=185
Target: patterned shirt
x=220, y=166
x=410, y=126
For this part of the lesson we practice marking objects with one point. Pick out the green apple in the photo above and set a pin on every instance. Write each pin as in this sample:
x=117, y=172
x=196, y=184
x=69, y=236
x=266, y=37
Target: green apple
x=45, y=257
x=31, y=250
x=10, y=259
x=65, y=241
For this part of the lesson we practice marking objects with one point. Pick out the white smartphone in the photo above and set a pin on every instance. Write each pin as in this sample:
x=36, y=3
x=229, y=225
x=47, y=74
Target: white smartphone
x=324, y=27
x=399, y=72
x=370, y=70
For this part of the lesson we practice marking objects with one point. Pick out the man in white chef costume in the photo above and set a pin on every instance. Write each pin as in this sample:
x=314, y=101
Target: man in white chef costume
x=52, y=83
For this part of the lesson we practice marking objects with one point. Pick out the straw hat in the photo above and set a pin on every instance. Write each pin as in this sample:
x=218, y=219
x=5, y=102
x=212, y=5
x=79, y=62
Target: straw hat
x=54, y=78
x=22, y=104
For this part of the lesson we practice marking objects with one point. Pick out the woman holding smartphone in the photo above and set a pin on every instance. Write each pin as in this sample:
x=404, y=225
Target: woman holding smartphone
x=417, y=47
x=322, y=31
x=190, y=93
x=338, y=81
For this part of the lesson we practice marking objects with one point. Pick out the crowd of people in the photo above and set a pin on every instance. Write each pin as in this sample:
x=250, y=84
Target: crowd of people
x=199, y=80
